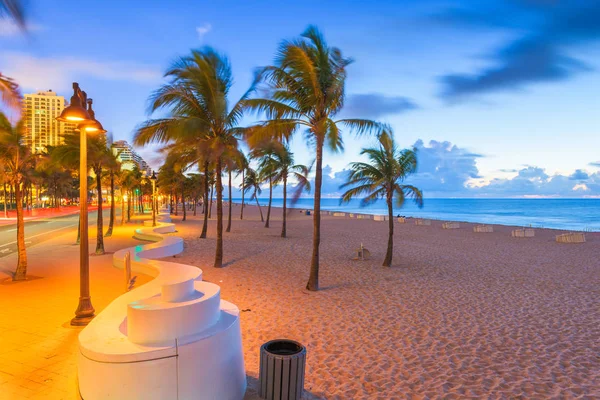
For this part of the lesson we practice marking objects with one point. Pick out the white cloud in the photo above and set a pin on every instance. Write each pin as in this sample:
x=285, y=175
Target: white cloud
x=58, y=72
x=203, y=30
x=581, y=186
x=9, y=28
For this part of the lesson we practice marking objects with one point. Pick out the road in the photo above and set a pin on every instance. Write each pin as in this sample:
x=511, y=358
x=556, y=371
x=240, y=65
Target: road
x=39, y=230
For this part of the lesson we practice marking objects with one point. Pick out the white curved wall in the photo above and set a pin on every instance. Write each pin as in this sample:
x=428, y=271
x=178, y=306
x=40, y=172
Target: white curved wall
x=172, y=338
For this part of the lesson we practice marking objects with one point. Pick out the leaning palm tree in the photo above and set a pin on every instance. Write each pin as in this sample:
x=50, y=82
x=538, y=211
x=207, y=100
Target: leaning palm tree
x=9, y=92
x=17, y=161
x=305, y=91
x=284, y=168
x=382, y=177
x=13, y=9
x=197, y=100
x=252, y=183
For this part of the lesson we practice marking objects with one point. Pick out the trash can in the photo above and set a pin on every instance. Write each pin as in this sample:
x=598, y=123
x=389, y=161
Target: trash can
x=282, y=365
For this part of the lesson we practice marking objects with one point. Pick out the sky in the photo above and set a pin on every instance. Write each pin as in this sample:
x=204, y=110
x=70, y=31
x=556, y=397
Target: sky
x=500, y=97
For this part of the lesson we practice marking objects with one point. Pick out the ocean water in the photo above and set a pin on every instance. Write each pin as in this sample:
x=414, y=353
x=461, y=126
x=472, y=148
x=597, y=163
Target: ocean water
x=568, y=214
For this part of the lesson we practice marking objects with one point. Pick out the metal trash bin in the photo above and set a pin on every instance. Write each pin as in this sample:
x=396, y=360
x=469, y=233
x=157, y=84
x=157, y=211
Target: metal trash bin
x=282, y=365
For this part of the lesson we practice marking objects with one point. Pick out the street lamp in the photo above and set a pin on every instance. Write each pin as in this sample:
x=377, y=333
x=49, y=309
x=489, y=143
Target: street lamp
x=153, y=180
x=77, y=113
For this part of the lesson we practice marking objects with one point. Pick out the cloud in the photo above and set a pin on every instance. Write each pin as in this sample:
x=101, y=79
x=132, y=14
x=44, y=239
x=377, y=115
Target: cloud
x=546, y=31
x=58, y=72
x=595, y=164
x=375, y=105
x=203, y=30
x=448, y=170
x=444, y=167
x=579, y=175
x=9, y=28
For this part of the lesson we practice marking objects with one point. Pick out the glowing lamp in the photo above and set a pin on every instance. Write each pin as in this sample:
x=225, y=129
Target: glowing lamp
x=76, y=112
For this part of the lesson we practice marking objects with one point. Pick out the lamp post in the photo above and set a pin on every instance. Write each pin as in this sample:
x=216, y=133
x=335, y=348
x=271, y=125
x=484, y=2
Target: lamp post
x=153, y=180
x=77, y=113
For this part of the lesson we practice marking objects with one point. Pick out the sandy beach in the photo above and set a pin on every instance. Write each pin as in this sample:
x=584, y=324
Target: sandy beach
x=459, y=315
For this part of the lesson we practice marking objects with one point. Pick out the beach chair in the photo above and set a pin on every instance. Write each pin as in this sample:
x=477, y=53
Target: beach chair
x=422, y=222
x=380, y=217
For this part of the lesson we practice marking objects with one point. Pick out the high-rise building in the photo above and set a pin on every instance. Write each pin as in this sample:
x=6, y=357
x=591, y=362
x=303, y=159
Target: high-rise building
x=128, y=157
x=39, y=113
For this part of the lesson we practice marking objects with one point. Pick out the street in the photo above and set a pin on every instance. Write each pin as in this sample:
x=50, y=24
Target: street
x=40, y=230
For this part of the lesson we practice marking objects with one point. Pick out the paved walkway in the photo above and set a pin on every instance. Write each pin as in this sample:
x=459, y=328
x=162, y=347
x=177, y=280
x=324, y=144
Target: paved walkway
x=38, y=347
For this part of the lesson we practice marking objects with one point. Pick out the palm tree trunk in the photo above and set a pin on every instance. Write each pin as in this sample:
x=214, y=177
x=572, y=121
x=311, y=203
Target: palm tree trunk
x=99, y=220
x=112, y=205
x=387, y=262
x=229, y=213
x=259, y=209
x=122, y=208
x=141, y=202
x=243, y=192
x=205, y=203
x=21, y=272
x=219, y=250
x=270, y=200
x=129, y=200
x=171, y=203
x=313, y=279
x=283, y=226
x=78, y=230
x=195, y=202
x=183, y=204
x=176, y=204
x=5, y=206
x=212, y=189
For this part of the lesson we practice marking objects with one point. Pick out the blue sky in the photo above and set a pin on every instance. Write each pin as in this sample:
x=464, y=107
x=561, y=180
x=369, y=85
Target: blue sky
x=501, y=97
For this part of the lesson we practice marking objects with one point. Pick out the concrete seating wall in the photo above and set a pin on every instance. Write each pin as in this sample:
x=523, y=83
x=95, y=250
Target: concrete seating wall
x=172, y=337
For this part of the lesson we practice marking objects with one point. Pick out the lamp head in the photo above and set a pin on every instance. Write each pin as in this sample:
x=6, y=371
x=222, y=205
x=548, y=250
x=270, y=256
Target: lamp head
x=93, y=126
x=153, y=177
x=76, y=111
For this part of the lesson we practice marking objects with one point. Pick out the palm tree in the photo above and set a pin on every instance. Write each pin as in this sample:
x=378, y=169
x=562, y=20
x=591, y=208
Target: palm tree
x=113, y=166
x=13, y=9
x=17, y=161
x=305, y=91
x=197, y=100
x=284, y=168
x=243, y=167
x=98, y=156
x=382, y=177
x=9, y=90
x=265, y=152
x=252, y=182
